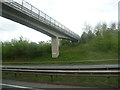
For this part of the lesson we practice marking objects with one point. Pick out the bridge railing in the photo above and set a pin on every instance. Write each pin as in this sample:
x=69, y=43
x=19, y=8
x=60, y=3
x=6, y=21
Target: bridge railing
x=39, y=15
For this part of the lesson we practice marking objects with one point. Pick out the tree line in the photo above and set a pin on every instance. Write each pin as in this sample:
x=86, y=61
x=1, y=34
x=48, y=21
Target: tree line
x=102, y=37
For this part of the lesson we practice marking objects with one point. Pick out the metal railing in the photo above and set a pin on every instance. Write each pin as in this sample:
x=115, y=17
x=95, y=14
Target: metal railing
x=32, y=11
x=93, y=72
x=100, y=73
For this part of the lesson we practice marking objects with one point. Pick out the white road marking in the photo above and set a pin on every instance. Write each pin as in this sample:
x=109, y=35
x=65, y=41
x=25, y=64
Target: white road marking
x=16, y=86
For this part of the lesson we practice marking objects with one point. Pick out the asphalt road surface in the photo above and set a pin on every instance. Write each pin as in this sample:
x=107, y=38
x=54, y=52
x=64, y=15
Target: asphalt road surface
x=21, y=85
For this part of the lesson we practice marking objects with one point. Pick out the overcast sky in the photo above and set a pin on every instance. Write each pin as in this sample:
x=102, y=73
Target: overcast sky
x=71, y=13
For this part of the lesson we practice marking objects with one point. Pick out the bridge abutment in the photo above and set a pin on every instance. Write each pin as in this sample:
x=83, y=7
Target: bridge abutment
x=55, y=47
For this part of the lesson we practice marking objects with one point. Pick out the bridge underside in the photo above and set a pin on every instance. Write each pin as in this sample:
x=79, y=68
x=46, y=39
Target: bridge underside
x=32, y=22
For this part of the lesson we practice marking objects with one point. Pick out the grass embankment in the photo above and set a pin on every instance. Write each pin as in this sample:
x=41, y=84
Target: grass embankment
x=97, y=43
x=68, y=59
x=67, y=80
x=74, y=52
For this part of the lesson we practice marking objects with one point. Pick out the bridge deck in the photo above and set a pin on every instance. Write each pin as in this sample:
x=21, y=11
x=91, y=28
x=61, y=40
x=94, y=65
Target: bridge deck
x=35, y=13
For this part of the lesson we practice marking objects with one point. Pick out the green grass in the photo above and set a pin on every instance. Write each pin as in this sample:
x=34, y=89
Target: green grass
x=66, y=80
x=73, y=53
x=65, y=63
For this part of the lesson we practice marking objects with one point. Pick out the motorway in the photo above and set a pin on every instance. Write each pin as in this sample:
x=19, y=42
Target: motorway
x=31, y=85
x=22, y=85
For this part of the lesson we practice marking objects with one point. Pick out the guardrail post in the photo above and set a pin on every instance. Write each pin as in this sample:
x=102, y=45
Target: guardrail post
x=51, y=77
x=108, y=80
x=6, y=73
x=15, y=74
x=55, y=47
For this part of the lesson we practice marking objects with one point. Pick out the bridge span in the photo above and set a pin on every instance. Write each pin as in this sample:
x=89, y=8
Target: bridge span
x=24, y=13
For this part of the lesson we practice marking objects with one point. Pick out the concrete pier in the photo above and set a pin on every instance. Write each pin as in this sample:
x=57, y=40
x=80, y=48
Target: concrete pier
x=55, y=47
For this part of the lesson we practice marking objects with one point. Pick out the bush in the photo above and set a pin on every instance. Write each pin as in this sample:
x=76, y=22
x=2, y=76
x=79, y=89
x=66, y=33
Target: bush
x=24, y=49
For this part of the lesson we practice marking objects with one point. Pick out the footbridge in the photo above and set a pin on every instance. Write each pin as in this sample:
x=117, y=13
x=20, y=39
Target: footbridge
x=24, y=13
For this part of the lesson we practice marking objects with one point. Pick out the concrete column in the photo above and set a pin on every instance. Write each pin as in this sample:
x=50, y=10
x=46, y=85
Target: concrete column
x=55, y=47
